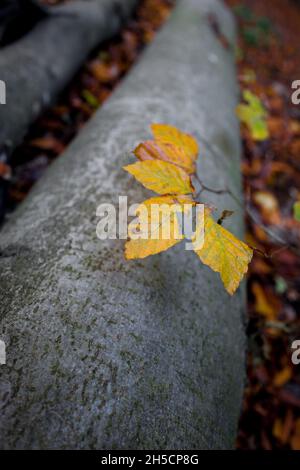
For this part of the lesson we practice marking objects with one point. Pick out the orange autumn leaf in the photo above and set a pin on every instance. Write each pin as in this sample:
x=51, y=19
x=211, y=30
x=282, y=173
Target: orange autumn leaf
x=295, y=442
x=276, y=126
x=269, y=206
x=283, y=376
x=152, y=150
x=282, y=429
x=48, y=143
x=161, y=177
x=260, y=266
x=166, y=134
x=278, y=429
x=105, y=73
x=294, y=127
x=5, y=171
x=170, y=145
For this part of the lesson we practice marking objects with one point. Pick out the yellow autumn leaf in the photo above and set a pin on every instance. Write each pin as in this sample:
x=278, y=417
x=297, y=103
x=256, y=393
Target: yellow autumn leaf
x=157, y=227
x=161, y=177
x=224, y=253
x=264, y=304
x=152, y=150
x=283, y=376
x=167, y=134
x=254, y=115
x=296, y=209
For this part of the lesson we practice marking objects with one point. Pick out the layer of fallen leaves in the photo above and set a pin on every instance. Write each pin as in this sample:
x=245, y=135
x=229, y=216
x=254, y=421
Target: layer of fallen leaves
x=268, y=62
x=94, y=83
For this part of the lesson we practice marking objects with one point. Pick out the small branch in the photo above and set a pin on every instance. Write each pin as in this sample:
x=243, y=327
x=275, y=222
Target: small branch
x=271, y=234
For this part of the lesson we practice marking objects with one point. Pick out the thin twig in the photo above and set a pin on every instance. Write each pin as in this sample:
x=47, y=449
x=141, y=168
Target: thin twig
x=272, y=235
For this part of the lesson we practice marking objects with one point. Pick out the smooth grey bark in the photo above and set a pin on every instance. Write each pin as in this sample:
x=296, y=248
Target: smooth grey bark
x=38, y=66
x=109, y=354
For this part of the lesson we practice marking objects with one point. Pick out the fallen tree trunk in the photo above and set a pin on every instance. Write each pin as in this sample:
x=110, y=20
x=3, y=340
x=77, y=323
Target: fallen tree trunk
x=108, y=354
x=37, y=67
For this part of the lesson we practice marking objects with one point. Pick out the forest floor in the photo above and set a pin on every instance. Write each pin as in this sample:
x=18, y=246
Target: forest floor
x=268, y=62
